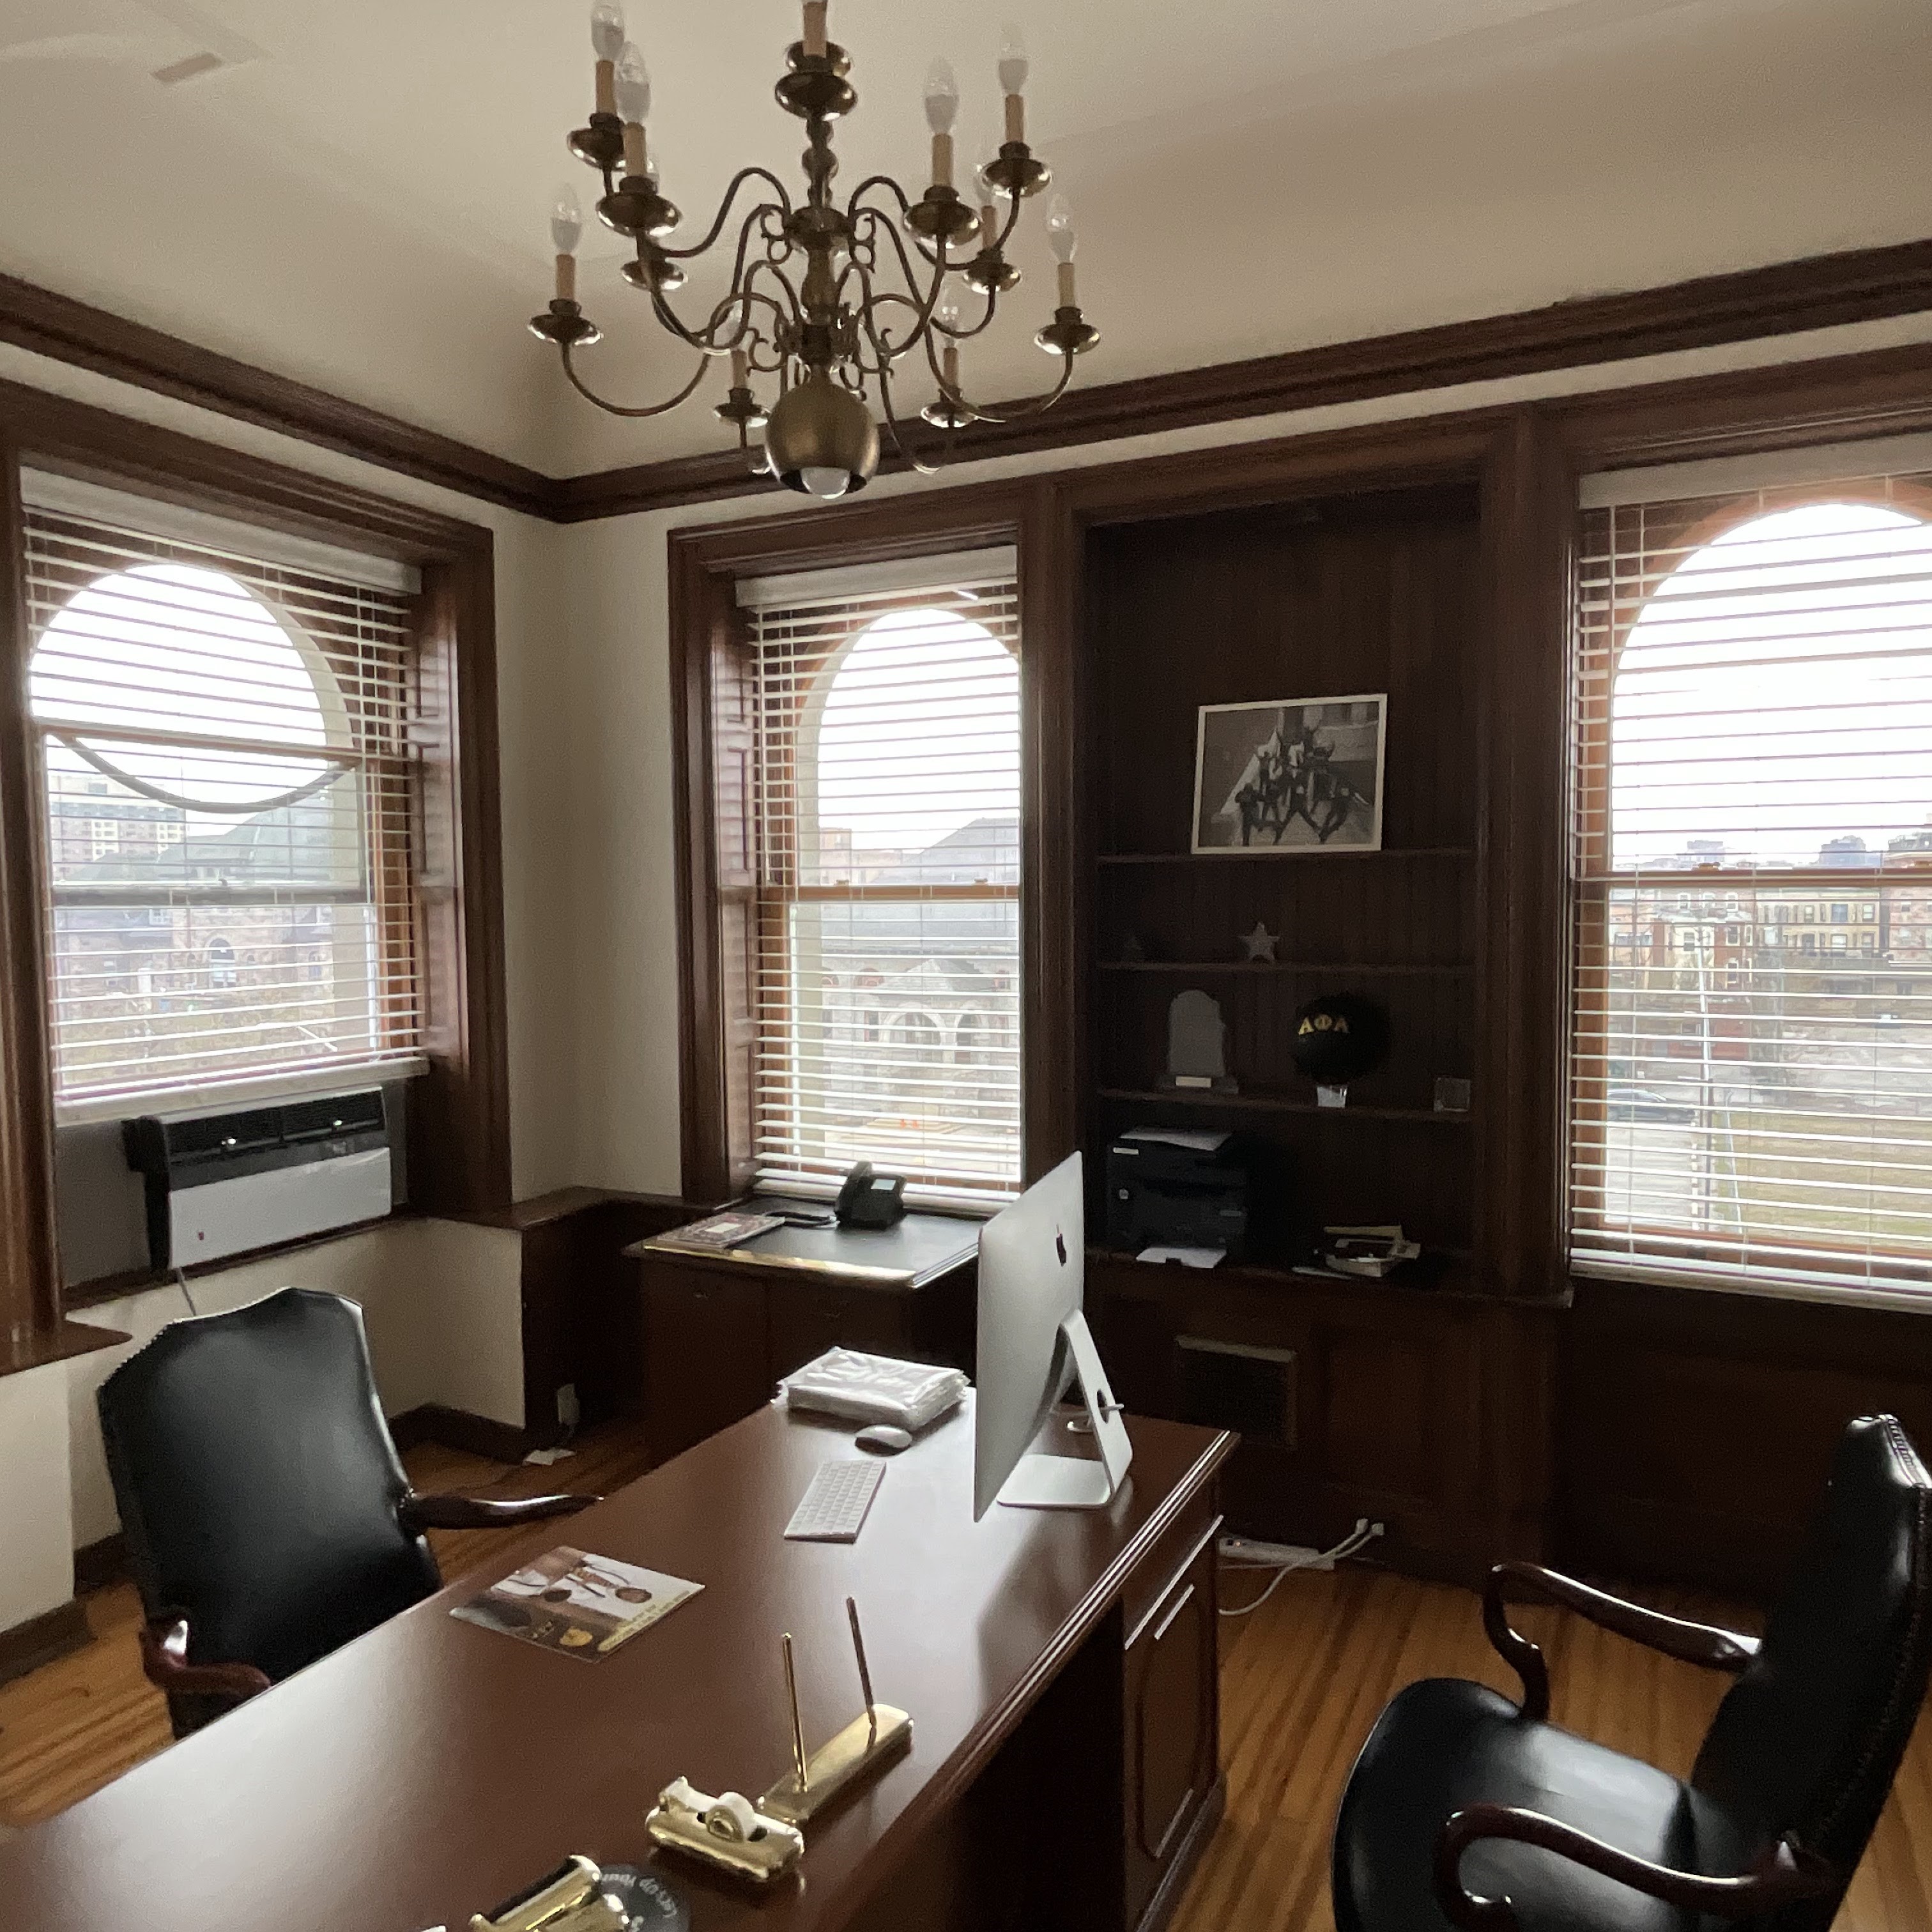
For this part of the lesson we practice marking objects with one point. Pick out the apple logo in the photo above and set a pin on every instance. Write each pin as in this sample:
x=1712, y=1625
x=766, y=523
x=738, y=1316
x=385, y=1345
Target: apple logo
x=1059, y=1245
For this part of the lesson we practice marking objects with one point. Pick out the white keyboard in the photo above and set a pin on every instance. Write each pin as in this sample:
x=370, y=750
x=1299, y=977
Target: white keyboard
x=832, y=1509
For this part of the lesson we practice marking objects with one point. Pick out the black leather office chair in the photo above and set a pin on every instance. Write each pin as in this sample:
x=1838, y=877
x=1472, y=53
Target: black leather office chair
x=268, y=1517
x=1466, y=1809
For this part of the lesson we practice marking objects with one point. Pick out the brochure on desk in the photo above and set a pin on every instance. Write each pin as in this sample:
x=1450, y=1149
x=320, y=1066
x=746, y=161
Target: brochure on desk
x=583, y=1606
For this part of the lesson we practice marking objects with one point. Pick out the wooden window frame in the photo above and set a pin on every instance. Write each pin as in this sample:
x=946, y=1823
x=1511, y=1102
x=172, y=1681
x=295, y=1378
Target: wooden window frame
x=458, y=1111
x=717, y=889
x=1594, y=879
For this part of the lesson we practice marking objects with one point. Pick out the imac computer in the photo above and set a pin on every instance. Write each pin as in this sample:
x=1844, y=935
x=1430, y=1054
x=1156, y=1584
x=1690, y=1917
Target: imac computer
x=1033, y=1335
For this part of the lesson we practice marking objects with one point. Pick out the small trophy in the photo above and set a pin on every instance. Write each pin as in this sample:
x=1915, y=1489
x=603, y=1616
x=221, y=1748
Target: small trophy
x=1197, y=1054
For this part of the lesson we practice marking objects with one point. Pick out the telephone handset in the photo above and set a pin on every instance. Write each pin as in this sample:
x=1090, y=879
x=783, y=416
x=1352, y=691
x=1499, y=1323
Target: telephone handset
x=870, y=1200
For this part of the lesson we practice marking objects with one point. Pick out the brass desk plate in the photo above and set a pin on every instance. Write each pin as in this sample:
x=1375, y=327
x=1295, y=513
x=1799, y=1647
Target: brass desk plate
x=725, y=1832
x=862, y=1748
x=861, y=1751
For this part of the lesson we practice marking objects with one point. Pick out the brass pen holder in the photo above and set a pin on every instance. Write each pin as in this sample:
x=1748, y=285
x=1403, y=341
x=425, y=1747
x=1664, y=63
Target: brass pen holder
x=861, y=1751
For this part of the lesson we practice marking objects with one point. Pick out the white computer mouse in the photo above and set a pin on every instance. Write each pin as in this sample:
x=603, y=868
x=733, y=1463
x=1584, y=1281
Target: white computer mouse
x=883, y=1438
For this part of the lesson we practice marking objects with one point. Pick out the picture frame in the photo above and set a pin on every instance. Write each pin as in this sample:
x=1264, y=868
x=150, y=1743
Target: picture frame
x=1291, y=775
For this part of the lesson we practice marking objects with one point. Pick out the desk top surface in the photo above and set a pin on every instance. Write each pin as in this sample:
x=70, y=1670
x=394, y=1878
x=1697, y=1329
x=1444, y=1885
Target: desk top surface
x=432, y=1768
x=917, y=1250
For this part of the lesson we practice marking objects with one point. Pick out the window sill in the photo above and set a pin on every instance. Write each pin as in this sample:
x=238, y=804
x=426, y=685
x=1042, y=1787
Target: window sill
x=1762, y=1286
x=64, y=1344
x=139, y=1281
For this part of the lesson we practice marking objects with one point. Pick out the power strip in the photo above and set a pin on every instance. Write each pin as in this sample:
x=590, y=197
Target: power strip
x=1287, y=1556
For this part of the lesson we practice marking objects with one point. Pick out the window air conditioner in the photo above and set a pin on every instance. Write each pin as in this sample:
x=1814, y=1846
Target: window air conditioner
x=221, y=1184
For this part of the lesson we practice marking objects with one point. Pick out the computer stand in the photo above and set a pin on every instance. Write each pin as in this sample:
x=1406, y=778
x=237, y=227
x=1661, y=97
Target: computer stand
x=1069, y=1482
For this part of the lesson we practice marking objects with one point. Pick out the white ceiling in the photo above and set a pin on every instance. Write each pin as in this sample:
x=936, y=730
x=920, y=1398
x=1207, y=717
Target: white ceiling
x=357, y=196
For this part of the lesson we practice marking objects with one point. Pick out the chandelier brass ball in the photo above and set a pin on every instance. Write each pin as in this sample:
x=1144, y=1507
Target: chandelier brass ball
x=821, y=439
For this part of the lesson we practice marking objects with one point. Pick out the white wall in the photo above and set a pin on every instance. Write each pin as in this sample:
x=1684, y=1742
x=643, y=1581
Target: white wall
x=443, y=1304
x=36, y=1547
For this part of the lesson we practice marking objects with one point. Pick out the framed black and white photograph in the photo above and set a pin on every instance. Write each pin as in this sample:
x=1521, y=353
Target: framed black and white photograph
x=1290, y=775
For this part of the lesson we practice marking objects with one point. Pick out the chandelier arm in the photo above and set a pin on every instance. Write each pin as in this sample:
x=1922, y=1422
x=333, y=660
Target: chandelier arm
x=725, y=209
x=881, y=222
x=905, y=448
x=618, y=409
x=852, y=210
x=740, y=298
x=1032, y=405
x=978, y=328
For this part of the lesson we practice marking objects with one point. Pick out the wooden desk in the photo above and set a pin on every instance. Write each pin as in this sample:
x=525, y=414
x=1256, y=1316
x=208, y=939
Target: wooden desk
x=1059, y=1668
x=719, y=1330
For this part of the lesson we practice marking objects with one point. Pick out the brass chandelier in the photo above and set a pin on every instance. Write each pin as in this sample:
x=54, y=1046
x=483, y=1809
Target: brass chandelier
x=828, y=297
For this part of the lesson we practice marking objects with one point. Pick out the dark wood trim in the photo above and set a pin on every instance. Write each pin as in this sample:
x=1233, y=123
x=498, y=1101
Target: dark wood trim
x=1167, y=1894
x=1528, y=522
x=97, y=1565
x=458, y=1429
x=1860, y=285
x=1782, y=298
x=459, y=1111
x=70, y=331
x=29, y=1232
x=42, y=1639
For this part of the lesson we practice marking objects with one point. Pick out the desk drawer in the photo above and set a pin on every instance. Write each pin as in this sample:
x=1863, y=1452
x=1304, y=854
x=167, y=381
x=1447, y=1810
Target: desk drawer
x=1156, y=1575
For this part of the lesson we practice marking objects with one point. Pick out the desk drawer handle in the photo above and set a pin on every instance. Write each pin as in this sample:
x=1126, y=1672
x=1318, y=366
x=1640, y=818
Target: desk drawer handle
x=1180, y=1604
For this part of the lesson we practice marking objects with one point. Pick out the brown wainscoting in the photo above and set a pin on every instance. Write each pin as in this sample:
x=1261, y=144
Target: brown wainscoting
x=1785, y=298
x=42, y=1639
x=1696, y=1427
x=1860, y=285
x=74, y=332
x=1425, y=1411
x=458, y=1429
x=97, y=1565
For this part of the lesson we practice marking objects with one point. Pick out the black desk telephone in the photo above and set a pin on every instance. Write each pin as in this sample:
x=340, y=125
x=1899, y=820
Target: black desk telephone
x=870, y=1200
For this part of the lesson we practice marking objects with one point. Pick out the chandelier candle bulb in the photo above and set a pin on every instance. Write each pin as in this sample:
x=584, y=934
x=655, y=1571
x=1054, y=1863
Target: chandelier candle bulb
x=634, y=148
x=566, y=229
x=741, y=370
x=815, y=29
x=1013, y=69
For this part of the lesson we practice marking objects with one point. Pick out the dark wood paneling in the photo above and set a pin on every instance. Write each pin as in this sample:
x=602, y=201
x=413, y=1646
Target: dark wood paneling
x=1521, y=672
x=73, y=331
x=1858, y=285
x=1401, y=1395
x=1697, y=1427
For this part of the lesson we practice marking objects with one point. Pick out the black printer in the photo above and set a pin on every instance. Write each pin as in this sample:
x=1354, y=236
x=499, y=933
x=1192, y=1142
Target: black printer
x=1173, y=1188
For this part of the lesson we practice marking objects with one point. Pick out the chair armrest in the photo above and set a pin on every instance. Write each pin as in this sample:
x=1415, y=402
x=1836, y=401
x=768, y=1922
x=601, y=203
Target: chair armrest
x=1690, y=1643
x=1786, y=1873
x=418, y=1513
x=165, y=1665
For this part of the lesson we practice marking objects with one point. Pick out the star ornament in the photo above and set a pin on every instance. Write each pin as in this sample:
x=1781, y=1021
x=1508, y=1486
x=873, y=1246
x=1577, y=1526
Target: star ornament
x=1261, y=942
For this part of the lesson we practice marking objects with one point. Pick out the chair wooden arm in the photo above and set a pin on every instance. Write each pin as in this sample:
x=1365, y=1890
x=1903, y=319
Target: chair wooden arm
x=1690, y=1643
x=418, y=1513
x=164, y=1664
x=1785, y=1873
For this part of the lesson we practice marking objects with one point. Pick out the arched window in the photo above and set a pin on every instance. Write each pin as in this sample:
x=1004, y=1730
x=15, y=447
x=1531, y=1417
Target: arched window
x=228, y=798
x=888, y=836
x=1754, y=706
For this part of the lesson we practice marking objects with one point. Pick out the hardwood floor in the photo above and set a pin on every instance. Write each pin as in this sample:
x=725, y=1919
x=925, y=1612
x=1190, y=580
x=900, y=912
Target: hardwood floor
x=1303, y=1680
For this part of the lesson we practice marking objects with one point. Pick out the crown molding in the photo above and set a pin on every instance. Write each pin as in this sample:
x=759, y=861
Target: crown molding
x=70, y=331
x=1787, y=297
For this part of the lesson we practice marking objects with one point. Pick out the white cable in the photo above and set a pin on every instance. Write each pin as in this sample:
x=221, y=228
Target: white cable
x=181, y=1282
x=1361, y=1535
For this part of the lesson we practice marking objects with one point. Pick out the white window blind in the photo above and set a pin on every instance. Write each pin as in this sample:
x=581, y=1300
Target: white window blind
x=886, y=798
x=1751, y=1089
x=229, y=797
